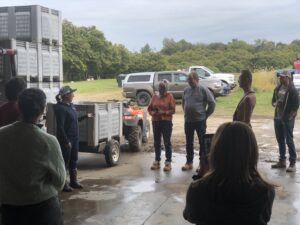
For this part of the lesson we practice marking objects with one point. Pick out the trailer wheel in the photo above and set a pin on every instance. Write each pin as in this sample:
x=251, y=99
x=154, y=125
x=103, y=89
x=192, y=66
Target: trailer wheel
x=112, y=153
x=135, y=137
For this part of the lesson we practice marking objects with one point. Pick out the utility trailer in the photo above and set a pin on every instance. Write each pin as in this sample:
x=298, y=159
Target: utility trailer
x=99, y=134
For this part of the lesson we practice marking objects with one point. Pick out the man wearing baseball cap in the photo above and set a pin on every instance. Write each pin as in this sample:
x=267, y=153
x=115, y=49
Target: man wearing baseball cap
x=286, y=102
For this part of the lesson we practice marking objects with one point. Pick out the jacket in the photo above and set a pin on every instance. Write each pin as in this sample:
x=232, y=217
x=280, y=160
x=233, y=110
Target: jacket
x=291, y=101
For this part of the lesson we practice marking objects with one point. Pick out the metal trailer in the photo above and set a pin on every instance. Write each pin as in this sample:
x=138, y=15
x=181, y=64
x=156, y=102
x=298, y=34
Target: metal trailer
x=100, y=134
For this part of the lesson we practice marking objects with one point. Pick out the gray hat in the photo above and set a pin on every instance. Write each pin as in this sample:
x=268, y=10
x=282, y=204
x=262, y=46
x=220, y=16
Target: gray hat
x=285, y=73
x=66, y=90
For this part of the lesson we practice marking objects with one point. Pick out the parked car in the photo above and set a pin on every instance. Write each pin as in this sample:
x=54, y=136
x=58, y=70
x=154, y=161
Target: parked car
x=205, y=73
x=120, y=79
x=141, y=86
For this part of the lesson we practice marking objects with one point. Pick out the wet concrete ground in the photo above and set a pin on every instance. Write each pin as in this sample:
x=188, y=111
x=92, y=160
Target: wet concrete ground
x=132, y=194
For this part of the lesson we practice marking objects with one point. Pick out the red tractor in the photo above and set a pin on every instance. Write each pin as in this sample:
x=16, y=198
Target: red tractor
x=136, y=127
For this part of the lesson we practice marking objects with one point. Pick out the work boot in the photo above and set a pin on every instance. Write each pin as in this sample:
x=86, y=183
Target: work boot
x=73, y=180
x=291, y=168
x=67, y=188
x=167, y=167
x=187, y=166
x=279, y=164
x=155, y=165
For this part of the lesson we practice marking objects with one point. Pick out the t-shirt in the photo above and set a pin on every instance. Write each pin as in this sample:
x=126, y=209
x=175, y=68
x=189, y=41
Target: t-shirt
x=296, y=65
x=280, y=100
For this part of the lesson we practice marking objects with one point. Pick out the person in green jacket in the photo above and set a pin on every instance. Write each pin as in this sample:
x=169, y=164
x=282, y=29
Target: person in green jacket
x=32, y=168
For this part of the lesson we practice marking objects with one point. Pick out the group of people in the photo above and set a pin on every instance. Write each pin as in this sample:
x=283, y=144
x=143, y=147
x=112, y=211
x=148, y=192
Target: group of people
x=33, y=164
x=231, y=190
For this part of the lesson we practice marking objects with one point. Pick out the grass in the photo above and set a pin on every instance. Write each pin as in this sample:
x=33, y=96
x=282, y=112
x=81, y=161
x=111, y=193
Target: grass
x=263, y=84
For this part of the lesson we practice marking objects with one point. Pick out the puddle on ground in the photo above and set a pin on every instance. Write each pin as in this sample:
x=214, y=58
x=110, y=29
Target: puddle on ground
x=94, y=196
x=142, y=186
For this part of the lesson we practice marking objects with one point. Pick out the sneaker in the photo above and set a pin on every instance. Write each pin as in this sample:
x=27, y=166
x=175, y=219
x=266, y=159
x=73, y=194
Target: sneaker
x=155, y=165
x=279, y=164
x=291, y=168
x=167, y=167
x=187, y=166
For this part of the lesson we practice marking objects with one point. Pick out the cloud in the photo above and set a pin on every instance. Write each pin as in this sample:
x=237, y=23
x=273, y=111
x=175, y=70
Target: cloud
x=137, y=22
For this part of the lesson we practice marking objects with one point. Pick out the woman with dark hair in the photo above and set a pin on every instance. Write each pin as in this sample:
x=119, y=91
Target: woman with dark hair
x=9, y=111
x=68, y=133
x=232, y=192
x=31, y=167
x=162, y=108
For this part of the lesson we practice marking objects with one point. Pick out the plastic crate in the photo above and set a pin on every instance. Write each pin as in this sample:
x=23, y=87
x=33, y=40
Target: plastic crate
x=31, y=23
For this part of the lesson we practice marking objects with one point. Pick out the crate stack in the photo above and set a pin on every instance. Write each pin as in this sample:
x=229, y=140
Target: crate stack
x=36, y=33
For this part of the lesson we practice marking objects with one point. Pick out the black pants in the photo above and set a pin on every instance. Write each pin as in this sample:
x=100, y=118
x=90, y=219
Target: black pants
x=45, y=213
x=162, y=128
x=70, y=155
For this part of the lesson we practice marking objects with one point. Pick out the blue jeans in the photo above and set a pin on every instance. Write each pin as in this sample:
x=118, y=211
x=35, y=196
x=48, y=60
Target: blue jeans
x=162, y=128
x=284, y=135
x=189, y=128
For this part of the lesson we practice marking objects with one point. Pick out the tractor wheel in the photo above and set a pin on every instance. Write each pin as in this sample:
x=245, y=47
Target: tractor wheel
x=135, y=138
x=147, y=134
x=112, y=153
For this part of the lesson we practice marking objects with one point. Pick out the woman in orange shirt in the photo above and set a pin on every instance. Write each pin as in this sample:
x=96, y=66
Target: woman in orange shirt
x=162, y=108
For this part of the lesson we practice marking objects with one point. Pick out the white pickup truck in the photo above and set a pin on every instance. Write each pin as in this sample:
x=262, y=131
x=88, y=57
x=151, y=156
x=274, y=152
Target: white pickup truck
x=205, y=73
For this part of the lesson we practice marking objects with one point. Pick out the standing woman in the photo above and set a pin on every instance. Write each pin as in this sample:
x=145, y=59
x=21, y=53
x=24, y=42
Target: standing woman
x=68, y=133
x=162, y=108
x=232, y=192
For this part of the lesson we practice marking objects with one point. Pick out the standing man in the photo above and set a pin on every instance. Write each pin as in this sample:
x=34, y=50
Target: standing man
x=247, y=103
x=286, y=102
x=9, y=111
x=198, y=104
x=296, y=64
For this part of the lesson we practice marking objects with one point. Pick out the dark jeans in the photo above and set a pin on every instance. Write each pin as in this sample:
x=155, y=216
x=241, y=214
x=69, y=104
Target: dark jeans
x=189, y=128
x=45, y=213
x=284, y=135
x=70, y=155
x=162, y=128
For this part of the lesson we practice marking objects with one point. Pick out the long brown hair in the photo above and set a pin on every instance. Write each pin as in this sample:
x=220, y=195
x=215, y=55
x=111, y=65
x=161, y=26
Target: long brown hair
x=234, y=156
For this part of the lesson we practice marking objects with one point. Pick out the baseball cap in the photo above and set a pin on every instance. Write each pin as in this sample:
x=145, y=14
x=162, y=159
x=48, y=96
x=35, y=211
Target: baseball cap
x=66, y=90
x=285, y=73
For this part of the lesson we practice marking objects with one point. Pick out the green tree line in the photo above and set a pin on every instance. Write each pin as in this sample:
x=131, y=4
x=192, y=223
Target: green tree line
x=87, y=53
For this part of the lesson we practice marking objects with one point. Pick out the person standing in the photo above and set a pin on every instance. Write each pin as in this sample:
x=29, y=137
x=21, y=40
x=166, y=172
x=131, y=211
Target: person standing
x=296, y=64
x=232, y=192
x=67, y=133
x=9, y=111
x=162, y=108
x=198, y=104
x=244, y=109
x=286, y=102
x=31, y=167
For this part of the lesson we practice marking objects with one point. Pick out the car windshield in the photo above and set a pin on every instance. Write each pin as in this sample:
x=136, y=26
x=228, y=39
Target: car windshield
x=209, y=70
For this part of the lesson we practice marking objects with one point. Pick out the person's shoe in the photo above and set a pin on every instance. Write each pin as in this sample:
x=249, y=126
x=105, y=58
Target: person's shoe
x=187, y=166
x=67, y=188
x=167, y=167
x=291, y=168
x=279, y=164
x=155, y=165
x=73, y=180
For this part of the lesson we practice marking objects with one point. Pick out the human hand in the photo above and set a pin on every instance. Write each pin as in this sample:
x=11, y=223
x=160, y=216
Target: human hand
x=90, y=115
x=69, y=145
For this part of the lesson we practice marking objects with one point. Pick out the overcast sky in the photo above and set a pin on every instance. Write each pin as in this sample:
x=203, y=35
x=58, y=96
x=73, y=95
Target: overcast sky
x=134, y=23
